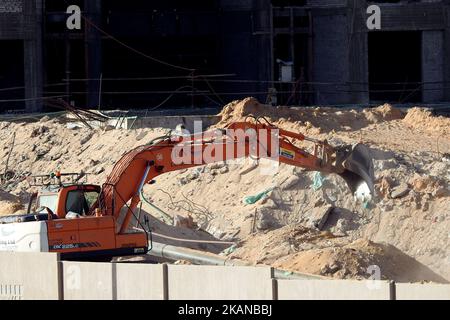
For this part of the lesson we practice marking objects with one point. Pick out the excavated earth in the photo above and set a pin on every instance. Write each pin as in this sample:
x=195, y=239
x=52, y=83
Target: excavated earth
x=404, y=231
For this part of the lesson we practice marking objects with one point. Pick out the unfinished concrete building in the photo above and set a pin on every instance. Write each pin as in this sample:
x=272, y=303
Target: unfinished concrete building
x=300, y=51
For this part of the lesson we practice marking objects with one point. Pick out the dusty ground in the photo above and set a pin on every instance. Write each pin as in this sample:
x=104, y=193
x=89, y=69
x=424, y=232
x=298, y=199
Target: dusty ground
x=407, y=237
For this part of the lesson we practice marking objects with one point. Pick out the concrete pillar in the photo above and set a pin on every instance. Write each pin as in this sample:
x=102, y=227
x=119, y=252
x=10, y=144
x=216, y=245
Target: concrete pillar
x=263, y=42
x=331, y=58
x=33, y=73
x=446, y=67
x=358, y=52
x=93, y=53
x=240, y=51
x=433, y=66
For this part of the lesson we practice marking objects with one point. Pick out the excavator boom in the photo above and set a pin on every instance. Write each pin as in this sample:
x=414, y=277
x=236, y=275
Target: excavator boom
x=238, y=140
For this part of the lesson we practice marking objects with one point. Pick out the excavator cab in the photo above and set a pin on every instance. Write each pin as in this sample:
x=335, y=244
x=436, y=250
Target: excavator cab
x=75, y=199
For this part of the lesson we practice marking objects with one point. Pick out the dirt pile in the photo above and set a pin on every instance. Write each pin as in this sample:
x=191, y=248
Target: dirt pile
x=384, y=112
x=49, y=145
x=409, y=213
x=423, y=119
x=299, y=249
x=359, y=260
x=10, y=204
x=310, y=120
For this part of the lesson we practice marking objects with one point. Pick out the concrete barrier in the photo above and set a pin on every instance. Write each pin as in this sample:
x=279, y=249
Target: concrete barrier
x=43, y=276
x=87, y=281
x=29, y=276
x=407, y=291
x=140, y=281
x=334, y=290
x=219, y=282
x=204, y=121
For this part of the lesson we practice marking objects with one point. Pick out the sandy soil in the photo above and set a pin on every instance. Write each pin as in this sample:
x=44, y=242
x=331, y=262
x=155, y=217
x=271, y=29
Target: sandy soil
x=407, y=237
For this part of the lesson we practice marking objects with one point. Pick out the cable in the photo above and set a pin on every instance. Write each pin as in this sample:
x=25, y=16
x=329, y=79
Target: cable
x=21, y=88
x=167, y=99
x=165, y=215
x=200, y=78
x=151, y=78
x=133, y=49
x=33, y=99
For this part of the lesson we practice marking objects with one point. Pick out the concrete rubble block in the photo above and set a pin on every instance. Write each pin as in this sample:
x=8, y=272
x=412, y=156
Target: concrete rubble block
x=223, y=170
x=265, y=219
x=193, y=175
x=378, y=154
x=400, y=191
x=99, y=170
x=87, y=280
x=418, y=291
x=318, y=217
x=248, y=168
x=141, y=135
x=333, y=290
x=29, y=276
x=217, y=165
x=219, y=282
x=381, y=165
x=139, y=281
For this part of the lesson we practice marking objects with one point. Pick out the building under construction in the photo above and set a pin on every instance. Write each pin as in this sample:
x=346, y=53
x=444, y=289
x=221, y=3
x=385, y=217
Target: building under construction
x=174, y=53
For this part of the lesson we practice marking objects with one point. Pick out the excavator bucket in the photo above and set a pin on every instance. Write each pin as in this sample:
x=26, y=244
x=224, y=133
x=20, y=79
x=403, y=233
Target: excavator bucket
x=358, y=169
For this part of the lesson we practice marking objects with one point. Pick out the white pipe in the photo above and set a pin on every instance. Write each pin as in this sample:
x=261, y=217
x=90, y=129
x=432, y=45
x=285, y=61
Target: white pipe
x=203, y=258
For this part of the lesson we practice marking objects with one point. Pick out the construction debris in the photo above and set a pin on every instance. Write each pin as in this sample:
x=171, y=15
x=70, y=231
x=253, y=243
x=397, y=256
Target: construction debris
x=400, y=191
x=318, y=217
x=294, y=226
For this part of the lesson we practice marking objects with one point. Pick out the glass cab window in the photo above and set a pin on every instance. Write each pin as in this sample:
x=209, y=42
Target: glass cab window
x=50, y=201
x=80, y=202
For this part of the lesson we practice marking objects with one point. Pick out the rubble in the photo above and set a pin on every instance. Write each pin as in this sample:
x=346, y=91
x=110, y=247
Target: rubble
x=400, y=191
x=318, y=217
x=410, y=166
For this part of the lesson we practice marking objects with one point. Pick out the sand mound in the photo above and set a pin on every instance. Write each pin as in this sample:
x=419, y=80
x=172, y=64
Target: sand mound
x=310, y=120
x=9, y=204
x=299, y=249
x=357, y=261
x=423, y=119
x=240, y=110
x=385, y=112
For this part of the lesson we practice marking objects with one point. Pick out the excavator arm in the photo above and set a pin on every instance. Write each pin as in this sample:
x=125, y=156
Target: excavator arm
x=238, y=140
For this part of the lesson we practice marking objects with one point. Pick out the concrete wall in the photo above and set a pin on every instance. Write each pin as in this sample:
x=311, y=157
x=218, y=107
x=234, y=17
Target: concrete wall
x=87, y=281
x=29, y=276
x=334, y=290
x=408, y=291
x=218, y=282
x=110, y=281
x=43, y=276
x=141, y=281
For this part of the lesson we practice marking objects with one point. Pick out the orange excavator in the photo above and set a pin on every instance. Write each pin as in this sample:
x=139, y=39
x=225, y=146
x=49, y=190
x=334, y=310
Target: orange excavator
x=83, y=221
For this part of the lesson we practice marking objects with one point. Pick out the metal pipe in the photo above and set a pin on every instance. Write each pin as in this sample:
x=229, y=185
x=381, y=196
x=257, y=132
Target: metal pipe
x=203, y=258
